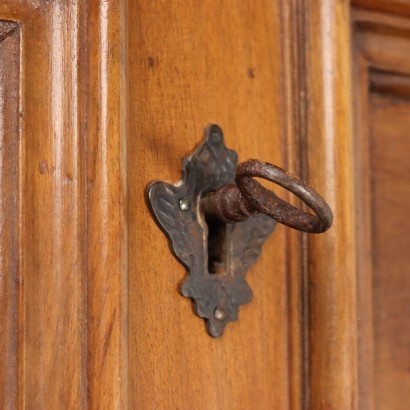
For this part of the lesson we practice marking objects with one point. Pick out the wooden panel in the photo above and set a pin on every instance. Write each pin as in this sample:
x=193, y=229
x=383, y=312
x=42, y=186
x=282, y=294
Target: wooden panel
x=52, y=300
x=363, y=235
x=103, y=66
x=9, y=211
x=292, y=124
x=390, y=83
x=391, y=6
x=390, y=173
x=382, y=71
x=18, y=10
x=384, y=41
x=65, y=269
x=323, y=280
x=331, y=275
x=195, y=63
x=113, y=95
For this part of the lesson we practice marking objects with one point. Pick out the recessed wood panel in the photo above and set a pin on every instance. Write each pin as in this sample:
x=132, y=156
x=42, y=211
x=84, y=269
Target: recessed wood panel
x=389, y=123
x=399, y=7
x=9, y=211
x=382, y=68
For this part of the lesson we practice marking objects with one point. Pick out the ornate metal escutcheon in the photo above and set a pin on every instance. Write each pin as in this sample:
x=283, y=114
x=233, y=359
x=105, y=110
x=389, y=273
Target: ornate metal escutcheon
x=217, y=228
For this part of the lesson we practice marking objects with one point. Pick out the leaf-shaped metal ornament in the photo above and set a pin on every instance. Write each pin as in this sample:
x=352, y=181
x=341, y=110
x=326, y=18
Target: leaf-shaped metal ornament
x=177, y=210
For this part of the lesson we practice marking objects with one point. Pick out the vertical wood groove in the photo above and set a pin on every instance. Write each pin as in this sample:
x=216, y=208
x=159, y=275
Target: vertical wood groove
x=9, y=215
x=291, y=144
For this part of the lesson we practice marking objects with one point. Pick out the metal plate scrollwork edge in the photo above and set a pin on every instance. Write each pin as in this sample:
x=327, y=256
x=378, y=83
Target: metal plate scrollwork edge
x=176, y=209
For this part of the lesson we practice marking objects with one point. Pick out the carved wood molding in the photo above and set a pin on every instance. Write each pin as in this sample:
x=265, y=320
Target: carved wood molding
x=399, y=7
x=6, y=27
x=65, y=309
x=381, y=44
x=325, y=127
x=10, y=279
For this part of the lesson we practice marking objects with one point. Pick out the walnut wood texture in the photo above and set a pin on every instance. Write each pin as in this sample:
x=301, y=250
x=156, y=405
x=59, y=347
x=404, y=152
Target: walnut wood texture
x=9, y=213
x=389, y=124
x=104, y=129
x=18, y=10
x=103, y=97
x=381, y=74
x=331, y=281
x=214, y=69
x=320, y=120
x=64, y=320
x=193, y=64
x=292, y=123
x=400, y=7
x=52, y=273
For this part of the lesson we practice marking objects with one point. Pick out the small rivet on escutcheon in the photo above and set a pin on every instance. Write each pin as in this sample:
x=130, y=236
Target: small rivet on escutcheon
x=220, y=313
x=184, y=204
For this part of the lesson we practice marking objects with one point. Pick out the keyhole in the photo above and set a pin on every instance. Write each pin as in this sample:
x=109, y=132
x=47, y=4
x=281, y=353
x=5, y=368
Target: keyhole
x=216, y=246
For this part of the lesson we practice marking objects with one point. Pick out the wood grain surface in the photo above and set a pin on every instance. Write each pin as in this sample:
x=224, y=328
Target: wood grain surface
x=62, y=291
x=381, y=49
x=102, y=65
x=52, y=306
x=399, y=7
x=193, y=64
x=9, y=213
x=103, y=97
x=18, y=10
x=390, y=145
x=329, y=164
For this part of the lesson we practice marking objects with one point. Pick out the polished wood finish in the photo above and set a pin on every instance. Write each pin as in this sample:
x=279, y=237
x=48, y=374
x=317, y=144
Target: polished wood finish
x=329, y=163
x=381, y=48
x=222, y=67
x=51, y=308
x=9, y=212
x=63, y=251
x=400, y=7
x=389, y=124
x=103, y=97
x=18, y=10
x=104, y=129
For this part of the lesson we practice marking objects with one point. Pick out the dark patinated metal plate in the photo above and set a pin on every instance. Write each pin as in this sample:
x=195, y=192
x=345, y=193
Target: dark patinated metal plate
x=177, y=210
